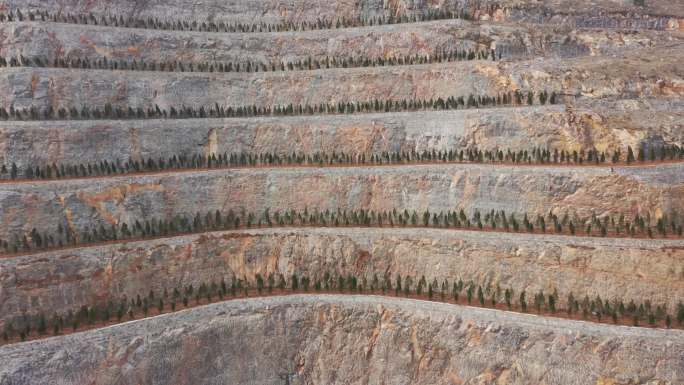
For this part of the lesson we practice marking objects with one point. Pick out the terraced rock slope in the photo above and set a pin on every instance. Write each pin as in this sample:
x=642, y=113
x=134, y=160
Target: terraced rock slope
x=518, y=155
x=337, y=339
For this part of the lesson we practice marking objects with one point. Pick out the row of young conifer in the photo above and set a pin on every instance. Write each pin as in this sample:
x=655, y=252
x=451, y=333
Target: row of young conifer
x=667, y=225
x=539, y=156
x=108, y=111
x=237, y=27
x=444, y=289
x=443, y=56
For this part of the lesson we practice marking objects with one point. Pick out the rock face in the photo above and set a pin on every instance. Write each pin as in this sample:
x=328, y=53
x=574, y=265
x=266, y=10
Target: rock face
x=65, y=88
x=81, y=205
x=603, y=125
x=511, y=41
x=598, y=14
x=66, y=40
x=615, y=67
x=309, y=339
x=626, y=269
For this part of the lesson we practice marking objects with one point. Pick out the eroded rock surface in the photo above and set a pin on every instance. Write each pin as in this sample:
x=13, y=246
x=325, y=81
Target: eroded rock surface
x=81, y=205
x=656, y=14
x=510, y=41
x=616, y=67
x=316, y=339
x=603, y=125
x=627, y=269
x=632, y=75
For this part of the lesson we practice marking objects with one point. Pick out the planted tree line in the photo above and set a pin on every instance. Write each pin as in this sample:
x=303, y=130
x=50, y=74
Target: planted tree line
x=536, y=155
x=517, y=98
x=438, y=56
x=667, y=225
x=456, y=290
x=208, y=25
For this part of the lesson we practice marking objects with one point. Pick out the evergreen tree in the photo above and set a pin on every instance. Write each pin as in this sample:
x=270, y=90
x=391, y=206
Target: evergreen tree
x=271, y=282
x=480, y=296
x=523, y=302
x=259, y=283
x=42, y=324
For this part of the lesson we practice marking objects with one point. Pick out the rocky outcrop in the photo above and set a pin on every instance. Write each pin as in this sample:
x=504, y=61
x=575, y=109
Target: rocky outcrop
x=630, y=75
x=619, y=85
x=50, y=40
x=598, y=14
x=82, y=205
x=627, y=269
x=603, y=125
x=267, y=11
x=511, y=41
x=349, y=340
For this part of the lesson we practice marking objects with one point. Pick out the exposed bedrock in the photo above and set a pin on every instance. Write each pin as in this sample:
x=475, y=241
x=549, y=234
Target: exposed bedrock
x=307, y=339
x=634, y=75
x=604, y=125
x=626, y=269
x=609, y=14
x=64, y=40
x=268, y=11
x=57, y=40
x=81, y=205
x=616, y=74
x=656, y=14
